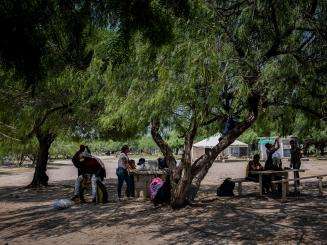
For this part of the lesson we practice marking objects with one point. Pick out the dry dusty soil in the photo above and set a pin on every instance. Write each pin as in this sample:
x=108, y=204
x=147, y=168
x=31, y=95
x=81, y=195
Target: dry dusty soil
x=27, y=216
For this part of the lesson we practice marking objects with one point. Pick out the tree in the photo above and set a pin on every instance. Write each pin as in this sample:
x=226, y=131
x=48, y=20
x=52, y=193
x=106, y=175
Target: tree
x=35, y=30
x=59, y=105
x=42, y=40
x=228, y=64
x=310, y=132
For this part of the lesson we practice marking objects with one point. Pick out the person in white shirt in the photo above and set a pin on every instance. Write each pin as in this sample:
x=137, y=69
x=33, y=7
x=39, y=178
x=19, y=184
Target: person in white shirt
x=277, y=160
x=122, y=172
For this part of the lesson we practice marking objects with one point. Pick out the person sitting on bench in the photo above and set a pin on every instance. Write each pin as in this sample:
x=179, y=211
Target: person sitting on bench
x=254, y=165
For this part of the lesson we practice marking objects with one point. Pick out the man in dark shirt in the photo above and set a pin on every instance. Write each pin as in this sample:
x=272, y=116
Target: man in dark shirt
x=295, y=160
x=88, y=167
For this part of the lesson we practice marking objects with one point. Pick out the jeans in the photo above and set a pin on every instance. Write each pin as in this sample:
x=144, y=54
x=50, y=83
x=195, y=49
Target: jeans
x=132, y=185
x=296, y=174
x=122, y=175
x=78, y=191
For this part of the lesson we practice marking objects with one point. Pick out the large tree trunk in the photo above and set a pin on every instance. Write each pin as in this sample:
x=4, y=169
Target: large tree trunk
x=45, y=140
x=179, y=193
x=180, y=177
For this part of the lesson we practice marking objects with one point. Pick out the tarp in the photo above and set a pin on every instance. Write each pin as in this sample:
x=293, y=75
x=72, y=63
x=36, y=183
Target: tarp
x=213, y=140
x=265, y=140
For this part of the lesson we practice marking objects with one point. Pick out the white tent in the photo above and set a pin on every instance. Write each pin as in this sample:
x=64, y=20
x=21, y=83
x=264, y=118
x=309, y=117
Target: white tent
x=237, y=148
x=213, y=140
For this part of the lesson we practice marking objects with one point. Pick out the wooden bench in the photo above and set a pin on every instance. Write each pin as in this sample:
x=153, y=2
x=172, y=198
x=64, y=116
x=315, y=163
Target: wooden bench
x=285, y=183
x=239, y=182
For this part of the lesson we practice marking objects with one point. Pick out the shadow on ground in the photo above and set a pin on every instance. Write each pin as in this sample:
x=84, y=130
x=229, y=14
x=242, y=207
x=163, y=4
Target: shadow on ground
x=210, y=220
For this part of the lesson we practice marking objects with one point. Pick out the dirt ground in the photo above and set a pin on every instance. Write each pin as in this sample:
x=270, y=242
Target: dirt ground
x=27, y=216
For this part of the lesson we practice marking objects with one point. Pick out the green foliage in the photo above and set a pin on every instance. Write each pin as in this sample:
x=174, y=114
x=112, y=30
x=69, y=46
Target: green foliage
x=146, y=143
x=63, y=148
x=249, y=137
x=175, y=141
x=39, y=36
x=221, y=62
x=17, y=152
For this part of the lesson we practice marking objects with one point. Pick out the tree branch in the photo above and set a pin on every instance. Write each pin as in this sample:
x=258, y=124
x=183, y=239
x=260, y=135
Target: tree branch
x=41, y=121
x=217, y=118
x=9, y=137
x=162, y=144
x=298, y=107
x=312, y=10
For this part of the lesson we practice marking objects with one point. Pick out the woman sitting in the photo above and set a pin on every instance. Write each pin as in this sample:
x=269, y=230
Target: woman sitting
x=254, y=165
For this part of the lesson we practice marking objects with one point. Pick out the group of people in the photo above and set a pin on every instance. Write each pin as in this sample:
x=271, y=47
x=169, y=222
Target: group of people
x=125, y=174
x=91, y=170
x=274, y=162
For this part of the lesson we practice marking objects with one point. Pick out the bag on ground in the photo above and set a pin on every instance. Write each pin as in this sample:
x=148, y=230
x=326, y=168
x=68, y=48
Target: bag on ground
x=226, y=188
x=60, y=204
x=102, y=194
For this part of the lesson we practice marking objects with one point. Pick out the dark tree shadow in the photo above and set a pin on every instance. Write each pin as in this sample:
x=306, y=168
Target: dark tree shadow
x=210, y=220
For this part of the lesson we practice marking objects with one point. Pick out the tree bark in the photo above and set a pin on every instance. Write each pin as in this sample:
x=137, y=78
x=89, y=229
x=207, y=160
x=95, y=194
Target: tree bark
x=180, y=177
x=179, y=196
x=45, y=140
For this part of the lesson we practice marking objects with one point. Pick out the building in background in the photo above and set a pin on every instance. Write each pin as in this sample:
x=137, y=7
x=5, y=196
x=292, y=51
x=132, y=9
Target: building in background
x=236, y=149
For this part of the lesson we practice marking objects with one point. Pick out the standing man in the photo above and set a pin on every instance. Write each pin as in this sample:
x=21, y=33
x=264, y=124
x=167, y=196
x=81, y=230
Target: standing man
x=295, y=160
x=122, y=172
x=270, y=150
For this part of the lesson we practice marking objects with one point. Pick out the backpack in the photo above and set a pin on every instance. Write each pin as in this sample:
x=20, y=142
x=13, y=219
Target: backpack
x=154, y=187
x=162, y=163
x=226, y=188
x=102, y=194
x=164, y=193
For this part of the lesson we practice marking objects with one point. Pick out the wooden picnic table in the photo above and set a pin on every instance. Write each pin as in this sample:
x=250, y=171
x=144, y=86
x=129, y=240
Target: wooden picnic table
x=283, y=173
